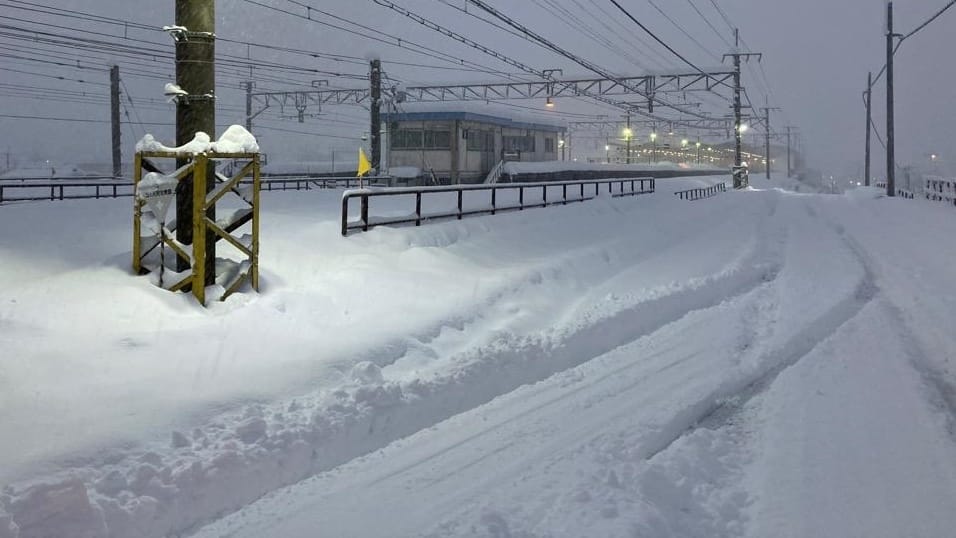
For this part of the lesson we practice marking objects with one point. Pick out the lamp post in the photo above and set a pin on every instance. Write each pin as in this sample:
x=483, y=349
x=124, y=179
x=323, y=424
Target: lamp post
x=683, y=149
x=654, y=147
x=698, y=151
x=561, y=145
x=607, y=153
x=628, y=133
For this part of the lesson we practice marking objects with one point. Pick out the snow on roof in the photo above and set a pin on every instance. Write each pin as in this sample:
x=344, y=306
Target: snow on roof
x=479, y=111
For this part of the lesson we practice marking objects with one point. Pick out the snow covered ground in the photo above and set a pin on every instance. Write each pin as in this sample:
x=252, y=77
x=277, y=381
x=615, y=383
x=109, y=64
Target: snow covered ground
x=761, y=363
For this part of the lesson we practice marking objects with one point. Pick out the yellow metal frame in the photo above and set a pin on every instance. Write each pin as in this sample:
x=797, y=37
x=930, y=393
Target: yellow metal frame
x=202, y=202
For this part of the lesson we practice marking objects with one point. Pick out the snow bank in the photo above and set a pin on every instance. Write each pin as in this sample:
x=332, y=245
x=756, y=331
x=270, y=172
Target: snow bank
x=236, y=139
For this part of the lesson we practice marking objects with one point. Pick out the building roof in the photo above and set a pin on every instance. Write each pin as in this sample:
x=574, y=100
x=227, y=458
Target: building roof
x=470, y=116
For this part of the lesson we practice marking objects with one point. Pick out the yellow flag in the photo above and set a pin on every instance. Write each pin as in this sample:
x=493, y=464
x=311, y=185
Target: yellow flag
x=363, y=165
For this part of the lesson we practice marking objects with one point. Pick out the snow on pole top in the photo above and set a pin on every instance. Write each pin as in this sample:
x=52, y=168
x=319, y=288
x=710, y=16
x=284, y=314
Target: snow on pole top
x=236, y=139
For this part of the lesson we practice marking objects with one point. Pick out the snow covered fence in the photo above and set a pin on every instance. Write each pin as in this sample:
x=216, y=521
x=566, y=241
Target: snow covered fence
x=902, y=193
x=529, y=195
x=703, y=192
x=940, y=189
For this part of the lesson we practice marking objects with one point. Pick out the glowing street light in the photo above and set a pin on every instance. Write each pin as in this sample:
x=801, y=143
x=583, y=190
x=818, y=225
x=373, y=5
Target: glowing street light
x=549, y=103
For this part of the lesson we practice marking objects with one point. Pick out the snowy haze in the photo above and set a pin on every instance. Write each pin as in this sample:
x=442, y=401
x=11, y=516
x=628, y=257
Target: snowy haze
x=816, y=52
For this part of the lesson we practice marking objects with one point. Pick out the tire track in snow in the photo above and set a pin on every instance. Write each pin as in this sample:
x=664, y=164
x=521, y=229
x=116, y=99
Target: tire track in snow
x=799, y=345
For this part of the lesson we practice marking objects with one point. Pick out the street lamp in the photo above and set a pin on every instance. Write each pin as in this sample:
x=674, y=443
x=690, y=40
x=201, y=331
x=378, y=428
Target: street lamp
x=698, y=151
x=607, y=153
x=628, y=133
x=653, y=157
x=561, y=145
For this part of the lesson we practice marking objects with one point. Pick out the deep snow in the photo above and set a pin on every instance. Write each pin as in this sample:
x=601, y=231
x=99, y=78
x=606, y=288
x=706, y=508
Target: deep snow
x=760, y=363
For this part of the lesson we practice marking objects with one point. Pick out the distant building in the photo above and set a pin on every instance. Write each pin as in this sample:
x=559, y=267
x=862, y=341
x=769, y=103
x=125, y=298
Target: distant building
x=463, y=147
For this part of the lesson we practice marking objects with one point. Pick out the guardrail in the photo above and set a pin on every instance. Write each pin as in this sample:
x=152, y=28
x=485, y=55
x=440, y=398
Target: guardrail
x=529, y=195
x=702, y=192
x=33, y=190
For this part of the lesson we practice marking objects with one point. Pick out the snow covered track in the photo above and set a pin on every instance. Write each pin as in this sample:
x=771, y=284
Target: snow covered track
x=660, y=381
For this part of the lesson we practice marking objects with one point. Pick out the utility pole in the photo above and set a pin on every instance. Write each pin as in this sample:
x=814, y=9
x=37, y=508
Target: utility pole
x=698, y=150
x=628, y=135
x=375, y=79
x=789, y=160
x=766, y=119
x=890, y=139
x=248, y=86
x=115, y=121
x=738, y=106
x=868, y=94
x=195, y=111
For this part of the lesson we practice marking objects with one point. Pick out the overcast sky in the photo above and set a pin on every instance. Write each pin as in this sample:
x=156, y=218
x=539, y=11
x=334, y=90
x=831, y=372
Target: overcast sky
x=816, y=57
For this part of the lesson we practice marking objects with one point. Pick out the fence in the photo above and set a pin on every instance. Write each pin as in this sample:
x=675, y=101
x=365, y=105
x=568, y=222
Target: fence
x=502, y=198
x=33, y=190
x=702, y=192
x=901, y=193
x=940, y=189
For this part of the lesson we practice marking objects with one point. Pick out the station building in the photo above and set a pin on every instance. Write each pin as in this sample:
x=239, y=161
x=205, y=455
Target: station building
x=451, y=147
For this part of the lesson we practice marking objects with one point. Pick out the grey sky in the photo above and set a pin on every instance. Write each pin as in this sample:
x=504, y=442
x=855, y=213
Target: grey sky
x=817, y=53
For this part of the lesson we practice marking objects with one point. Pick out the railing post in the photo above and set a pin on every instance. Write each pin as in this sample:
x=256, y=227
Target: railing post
x=61, y=193
x=494, y=193
x=345, y=215
x=460, y=196
x=544, y=195
x=520, y=198
x=418, y=208
x=564, y=194
x=364, y=197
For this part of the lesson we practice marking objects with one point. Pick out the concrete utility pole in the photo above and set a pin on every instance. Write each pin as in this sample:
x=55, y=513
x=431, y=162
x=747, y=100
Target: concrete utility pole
x=789, y=160
x=766, y=118
x=375, y=107
x=868, y=94
x=196, y=111
x=890, y=132
x=115, y=121
x=738, y=105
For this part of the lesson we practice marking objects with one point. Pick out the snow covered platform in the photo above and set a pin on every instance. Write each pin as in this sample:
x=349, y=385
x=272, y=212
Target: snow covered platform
x=759, y=363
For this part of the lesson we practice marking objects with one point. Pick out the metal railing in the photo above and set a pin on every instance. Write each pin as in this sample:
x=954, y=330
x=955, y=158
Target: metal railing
x=63, y=190
x=37, y=190
x=529, y=195
x=702, y=192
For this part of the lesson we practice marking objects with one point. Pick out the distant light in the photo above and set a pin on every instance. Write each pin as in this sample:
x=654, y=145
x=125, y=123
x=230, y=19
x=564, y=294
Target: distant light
x=683, y=142
x=933, y=156
x=698, y=144
x=549, y=103
x=653, y=136
x=744, y=127
x=607, y=148
x=628, y=132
